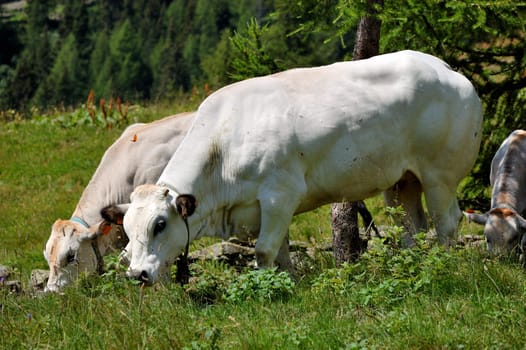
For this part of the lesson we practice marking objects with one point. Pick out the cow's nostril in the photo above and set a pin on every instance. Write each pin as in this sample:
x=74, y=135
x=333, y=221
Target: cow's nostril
x=143, y=277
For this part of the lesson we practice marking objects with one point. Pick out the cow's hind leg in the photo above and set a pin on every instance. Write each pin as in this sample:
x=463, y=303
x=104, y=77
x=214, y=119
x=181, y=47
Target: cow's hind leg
x=407, y=192
x=444, y=211
x=283, y=259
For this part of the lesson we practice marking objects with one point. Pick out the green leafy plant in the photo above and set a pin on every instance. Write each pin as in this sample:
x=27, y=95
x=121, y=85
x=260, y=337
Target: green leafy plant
x=210, y=282
x=388, y=273
x=217, y=281
x=260, y=285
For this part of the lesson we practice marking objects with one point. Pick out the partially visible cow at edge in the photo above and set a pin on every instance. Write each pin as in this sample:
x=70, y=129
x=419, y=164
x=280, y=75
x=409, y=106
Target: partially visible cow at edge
x=504, y=223
x=265, y=149
x=137, y=157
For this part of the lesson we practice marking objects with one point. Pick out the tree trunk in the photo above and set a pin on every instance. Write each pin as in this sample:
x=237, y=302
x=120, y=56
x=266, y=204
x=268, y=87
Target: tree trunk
x=346, y=241
x=368, y=32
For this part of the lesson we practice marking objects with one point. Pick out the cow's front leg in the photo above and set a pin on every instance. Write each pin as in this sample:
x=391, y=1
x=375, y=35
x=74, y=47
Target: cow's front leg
x=272, y=243
x=271, y=247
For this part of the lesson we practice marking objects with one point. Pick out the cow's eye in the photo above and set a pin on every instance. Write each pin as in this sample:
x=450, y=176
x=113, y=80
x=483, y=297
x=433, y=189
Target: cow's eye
x=159, y=227
x=70, y=258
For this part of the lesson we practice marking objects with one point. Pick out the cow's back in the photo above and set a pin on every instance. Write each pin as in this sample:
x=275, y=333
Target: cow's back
x=149, y=149
x=508, y=172
x=137, y=157
x=369, y=121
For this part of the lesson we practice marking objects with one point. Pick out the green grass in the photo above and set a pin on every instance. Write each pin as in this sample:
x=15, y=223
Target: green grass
x=391, y=299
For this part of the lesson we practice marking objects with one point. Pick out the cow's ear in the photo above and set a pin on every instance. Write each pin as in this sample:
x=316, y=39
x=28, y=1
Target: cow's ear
x=104, y=228
x=114, y=213
x=186, y=204
x=477, y=218
x=92, y=232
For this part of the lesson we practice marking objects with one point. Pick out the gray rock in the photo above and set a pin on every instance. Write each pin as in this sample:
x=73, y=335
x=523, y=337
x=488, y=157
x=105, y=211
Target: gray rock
x=222, y=250
x=5, y=271
x=14, y=287
x=472, y=241
x=39, y=279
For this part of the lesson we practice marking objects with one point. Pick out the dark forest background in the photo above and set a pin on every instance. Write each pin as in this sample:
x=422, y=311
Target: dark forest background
x=54, y=52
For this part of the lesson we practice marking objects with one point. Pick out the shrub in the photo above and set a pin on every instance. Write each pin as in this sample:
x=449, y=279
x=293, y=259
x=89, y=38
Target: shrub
x=387, y=273
x=210, y=282
x=260, y=285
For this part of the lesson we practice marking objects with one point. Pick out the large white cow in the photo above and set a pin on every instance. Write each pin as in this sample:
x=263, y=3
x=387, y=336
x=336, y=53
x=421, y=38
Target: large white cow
x=265, y=149
x=504, y=223
x=137, y=157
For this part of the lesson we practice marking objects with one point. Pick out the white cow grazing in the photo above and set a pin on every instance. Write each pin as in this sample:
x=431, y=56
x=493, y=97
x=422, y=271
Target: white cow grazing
x=265, y=149
x=504, y=223
x=137, y=157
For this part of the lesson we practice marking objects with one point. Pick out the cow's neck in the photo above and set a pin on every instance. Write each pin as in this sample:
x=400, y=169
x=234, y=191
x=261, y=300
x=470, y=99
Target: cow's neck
x=215, y=199
x=207, y=174
x=213, y=213
x=509, y=193
x=100, y=193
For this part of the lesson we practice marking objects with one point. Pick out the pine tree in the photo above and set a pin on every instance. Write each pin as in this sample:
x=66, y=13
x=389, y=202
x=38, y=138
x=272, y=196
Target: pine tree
x=170, y=68
x=132, y=78
x=11, y=47
x=33, y=65
x=61, y=86
x=98, y=68
x=68, y=80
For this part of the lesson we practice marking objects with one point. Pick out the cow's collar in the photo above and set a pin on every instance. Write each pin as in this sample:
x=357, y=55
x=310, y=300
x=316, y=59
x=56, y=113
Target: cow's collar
x=79, y=221
x=184, y=256
x=94, y=245
x=171, y=188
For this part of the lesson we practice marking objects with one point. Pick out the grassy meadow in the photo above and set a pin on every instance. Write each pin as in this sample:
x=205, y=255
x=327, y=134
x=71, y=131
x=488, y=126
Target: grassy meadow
x=423, y=298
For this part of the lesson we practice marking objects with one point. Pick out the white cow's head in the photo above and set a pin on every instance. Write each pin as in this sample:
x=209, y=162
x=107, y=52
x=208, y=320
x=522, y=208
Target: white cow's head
x=69, y=251
x=504, y=229
x=155, y=223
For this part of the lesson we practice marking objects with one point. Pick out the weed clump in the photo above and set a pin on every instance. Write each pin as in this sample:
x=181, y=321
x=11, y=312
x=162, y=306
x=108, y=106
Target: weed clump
x=387, y=273
x=211, y=285
x=108, y=115
x=260, y=285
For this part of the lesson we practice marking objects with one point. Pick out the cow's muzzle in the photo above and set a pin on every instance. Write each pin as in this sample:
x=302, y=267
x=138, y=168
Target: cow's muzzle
x=141, y=276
